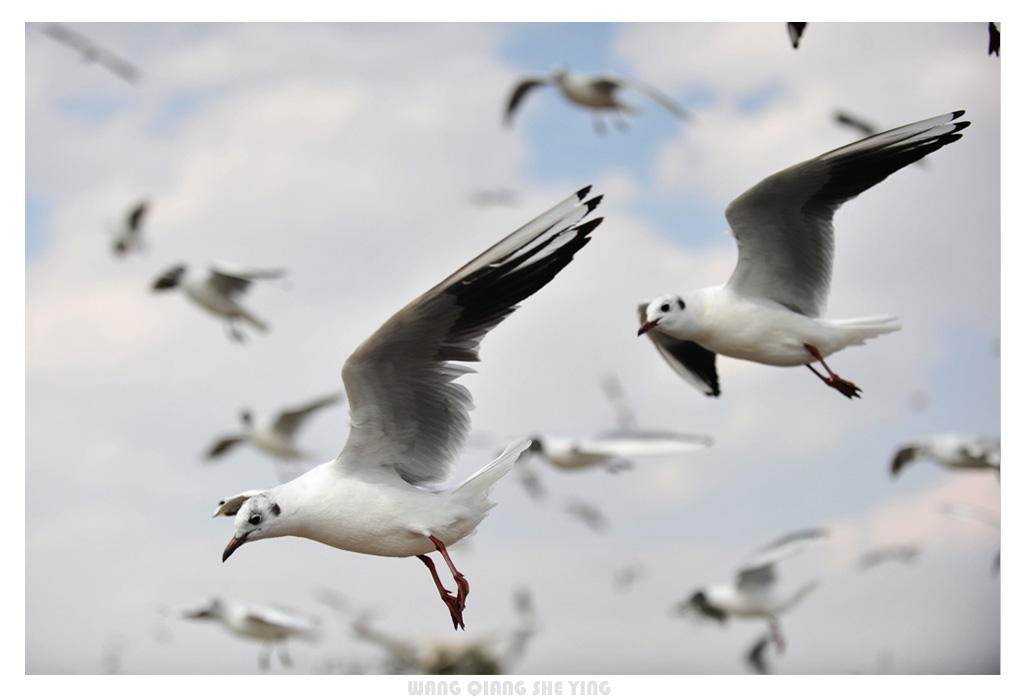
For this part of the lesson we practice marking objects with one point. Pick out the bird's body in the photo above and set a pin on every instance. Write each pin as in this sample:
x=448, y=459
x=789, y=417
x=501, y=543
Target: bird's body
x=409, y=417
x=597, y=93
x=953, y=451
x=770, y=309
x=268, y=624
x=218, y=291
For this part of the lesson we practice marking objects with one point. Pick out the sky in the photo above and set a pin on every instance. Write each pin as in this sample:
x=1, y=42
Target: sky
x=349, y=154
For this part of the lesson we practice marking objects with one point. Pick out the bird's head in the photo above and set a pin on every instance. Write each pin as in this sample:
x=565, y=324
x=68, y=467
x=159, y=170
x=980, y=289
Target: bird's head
x=258, y=517
x=669, y=313
x=170, y=278
x=209, y=608
x=699, y=603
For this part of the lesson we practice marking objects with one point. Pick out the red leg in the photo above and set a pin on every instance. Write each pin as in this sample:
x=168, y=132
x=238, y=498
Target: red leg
x=832, y=380
x=456, y=604
x=780, y=643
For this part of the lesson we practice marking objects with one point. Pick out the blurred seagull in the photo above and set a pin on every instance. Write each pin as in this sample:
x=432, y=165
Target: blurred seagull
x=598, y=93
x=218, y=291
x=92, y=52
x=950, y=450
x=866, y=128
x=614, y=450
x=769, y=310
x=409, y=417
x=796, y=30
x=755, y=594
x=888, y=553
x=270, y=624
x=276, y=438
x=129, y=237
x=588, y=513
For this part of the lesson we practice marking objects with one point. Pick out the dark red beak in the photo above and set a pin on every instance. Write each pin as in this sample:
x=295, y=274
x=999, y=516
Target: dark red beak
x=233, y=545
x=647, y=326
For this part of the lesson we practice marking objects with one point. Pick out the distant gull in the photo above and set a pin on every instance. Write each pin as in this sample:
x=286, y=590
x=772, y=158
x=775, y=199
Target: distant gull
x=904, y=553
x=953, y=451
x=269, y=624
x=598, y=93
x=93, y=52
x=768, y=311
x=218, y=290
x=129, y=236
x=796, y=30
x=755, y=593
x=588, y=513
x=409, y=417
x=277, y=438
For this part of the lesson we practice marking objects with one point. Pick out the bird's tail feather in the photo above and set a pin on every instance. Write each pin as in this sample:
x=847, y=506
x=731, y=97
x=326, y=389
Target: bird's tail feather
x=859, y=330
x=478, y=485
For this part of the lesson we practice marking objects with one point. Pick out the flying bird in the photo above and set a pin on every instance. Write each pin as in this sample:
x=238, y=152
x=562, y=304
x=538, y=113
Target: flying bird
x=409, y=417
x=755, y=592
x=598, y=93
x=796, y=30
x=769, y=310
x=129, y=236
x=866, y=128
x=93, y=52
x=276, y=438
x=269, y=624
x=888, y=553
x=952, y=451
x=218, y=290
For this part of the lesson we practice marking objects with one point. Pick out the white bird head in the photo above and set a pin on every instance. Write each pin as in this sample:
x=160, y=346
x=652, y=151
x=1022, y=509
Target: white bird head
x=258, y=517
x=669, y=312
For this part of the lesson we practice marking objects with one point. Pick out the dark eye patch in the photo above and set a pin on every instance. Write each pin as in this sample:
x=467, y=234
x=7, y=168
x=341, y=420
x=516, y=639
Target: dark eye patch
x=682, y=306
x=275, y=510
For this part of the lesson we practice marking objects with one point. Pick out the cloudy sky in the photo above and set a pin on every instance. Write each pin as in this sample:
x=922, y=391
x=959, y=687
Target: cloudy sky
x=349, y=155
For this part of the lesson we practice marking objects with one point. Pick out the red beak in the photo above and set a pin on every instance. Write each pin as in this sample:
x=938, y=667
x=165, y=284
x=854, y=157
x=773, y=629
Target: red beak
x=233, y=545
x=647, y=326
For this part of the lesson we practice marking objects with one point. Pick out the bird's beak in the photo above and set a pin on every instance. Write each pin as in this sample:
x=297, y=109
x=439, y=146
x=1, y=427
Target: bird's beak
x=233, y=545
x=647, y=326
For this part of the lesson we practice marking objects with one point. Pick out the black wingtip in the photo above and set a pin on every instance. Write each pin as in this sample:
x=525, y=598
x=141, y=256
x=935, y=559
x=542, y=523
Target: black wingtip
x=593, y=203
x=582, y=193
x=585, y=229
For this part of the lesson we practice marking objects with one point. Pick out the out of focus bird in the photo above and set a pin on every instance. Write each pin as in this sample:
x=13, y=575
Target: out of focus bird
x=598, y=93
x=769, y=310
x=128, y=237
x=588, y=513
x=796, y=30
x=93, y=52
x=755, y=656
x=993, y=39
x=218, y=291
x=888, y=553
x=756, y=593
x=953, y=451
x=270, y=625
x=277, y=437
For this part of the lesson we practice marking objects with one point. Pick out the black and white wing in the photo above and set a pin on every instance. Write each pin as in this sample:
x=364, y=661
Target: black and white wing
x=656, y=95
x=783, y=225
x=689, y=359
x=223, y=445
x=232, y=280
x=524, y=87
x=759, y=571
x=407, y=412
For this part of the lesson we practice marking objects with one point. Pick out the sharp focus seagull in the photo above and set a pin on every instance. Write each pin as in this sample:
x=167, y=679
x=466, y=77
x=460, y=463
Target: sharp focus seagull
x=129, y=236
x=598, y=93
x=218, y=291
x=276, y=438
x=409, y=417
x=755, y=593
x=269, y=624
x=951, y=451
x=93, y=52
x=769, y=310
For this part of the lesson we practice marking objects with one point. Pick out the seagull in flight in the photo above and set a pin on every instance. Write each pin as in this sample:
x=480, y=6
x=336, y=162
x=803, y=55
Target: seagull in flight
x=769, y=310
x=598, y=93
x=129, y=237
x=409, y=417
x=953, y=451
x=270, y=624
x=93, y=52
x=218, y=290
x=277, y=437
x=755, y=593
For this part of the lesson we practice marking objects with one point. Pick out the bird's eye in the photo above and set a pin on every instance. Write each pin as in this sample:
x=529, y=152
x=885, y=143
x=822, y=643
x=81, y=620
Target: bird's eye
x=682, y=306
x=665, y=307
x=255, y=519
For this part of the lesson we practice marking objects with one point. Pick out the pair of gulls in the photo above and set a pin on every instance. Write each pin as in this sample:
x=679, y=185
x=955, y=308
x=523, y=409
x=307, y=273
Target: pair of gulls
x=410, y=417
